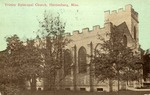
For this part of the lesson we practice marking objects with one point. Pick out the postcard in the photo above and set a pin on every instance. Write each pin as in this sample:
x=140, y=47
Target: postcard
x=74, y=46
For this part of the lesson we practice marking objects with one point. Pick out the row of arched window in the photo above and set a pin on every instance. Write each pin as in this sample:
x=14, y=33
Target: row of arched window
x=82, y=55
x=82, y=61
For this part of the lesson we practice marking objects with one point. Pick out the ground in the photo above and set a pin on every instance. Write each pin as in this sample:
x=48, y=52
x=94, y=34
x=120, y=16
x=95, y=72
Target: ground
x=85, y=93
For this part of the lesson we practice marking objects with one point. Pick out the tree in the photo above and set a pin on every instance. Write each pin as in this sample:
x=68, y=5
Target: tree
x=9, y=68
x=114, y=59
x=20, y=62
x=53, y=29
x=38, y=58
x=31, y=63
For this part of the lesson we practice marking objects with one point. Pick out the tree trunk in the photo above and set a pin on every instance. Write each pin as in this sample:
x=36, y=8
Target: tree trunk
x=110, y=85
x=118, y=80
x=33, y=84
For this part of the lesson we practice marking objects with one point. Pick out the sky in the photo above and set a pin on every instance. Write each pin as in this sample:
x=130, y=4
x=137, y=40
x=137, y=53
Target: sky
x=24, y=20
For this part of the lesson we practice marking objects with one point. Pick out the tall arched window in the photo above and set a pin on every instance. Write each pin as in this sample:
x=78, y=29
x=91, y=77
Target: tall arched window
x=67, y=62
x=82, y=60
x=125, y=40
x=135, y=33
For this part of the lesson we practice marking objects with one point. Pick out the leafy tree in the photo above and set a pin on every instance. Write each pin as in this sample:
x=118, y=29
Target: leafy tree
x=114, y=60
x=21, y=62
x=27, y=61
x=10, y=81
x=31, y=63
x=53, y=29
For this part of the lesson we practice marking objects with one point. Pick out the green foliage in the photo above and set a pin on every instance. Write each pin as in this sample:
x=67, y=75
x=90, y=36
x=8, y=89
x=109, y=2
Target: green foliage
x=38, y=58
x=114, y=60
x=9, y=66
x=19, y=63
x=52, y=29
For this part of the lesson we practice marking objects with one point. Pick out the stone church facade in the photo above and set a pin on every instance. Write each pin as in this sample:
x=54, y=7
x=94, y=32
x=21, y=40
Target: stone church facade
x=78, y=55
x=77, y=72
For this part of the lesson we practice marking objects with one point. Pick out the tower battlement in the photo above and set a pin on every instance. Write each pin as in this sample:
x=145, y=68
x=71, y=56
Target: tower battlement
x=128, y=9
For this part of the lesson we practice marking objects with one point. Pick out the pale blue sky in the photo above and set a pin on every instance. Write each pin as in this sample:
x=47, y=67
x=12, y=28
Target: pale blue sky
x=24, y=20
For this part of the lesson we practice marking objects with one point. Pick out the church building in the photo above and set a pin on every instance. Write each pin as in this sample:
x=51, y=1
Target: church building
x=76, y=73
x=77, y=63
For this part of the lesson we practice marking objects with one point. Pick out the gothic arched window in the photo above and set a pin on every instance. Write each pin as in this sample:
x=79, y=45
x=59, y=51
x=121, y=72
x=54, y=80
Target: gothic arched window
x=82, y=60
x=125, y=40
x=67, y=62
x=135, y=33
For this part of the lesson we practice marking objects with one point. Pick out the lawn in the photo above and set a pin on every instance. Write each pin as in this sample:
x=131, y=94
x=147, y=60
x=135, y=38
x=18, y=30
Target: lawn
x=85, y=93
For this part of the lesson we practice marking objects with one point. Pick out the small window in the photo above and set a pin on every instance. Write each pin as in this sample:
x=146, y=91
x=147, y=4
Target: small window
x=99, y=89
x=67, y=89
x=39, y=89
x=82, y=89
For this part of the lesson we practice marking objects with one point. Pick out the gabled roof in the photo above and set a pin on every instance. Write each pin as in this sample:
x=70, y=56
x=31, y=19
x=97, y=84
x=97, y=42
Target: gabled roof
x=123, y=27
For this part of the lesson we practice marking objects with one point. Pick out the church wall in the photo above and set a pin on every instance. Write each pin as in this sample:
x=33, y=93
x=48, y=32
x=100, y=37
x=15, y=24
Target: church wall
x=86, y=37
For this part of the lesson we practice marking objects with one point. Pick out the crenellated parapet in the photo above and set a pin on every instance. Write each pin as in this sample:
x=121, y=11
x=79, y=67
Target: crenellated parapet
x=128, y=10
x=67, y=34
x=76, y=32
x=120, y=10
x=96, y=27
x=87, y=32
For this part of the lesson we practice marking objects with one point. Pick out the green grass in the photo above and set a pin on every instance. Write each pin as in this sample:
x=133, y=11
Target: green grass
x=84, y=93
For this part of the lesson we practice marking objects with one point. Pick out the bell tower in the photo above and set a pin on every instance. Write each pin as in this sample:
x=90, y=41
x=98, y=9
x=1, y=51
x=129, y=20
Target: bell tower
x=129, y=16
